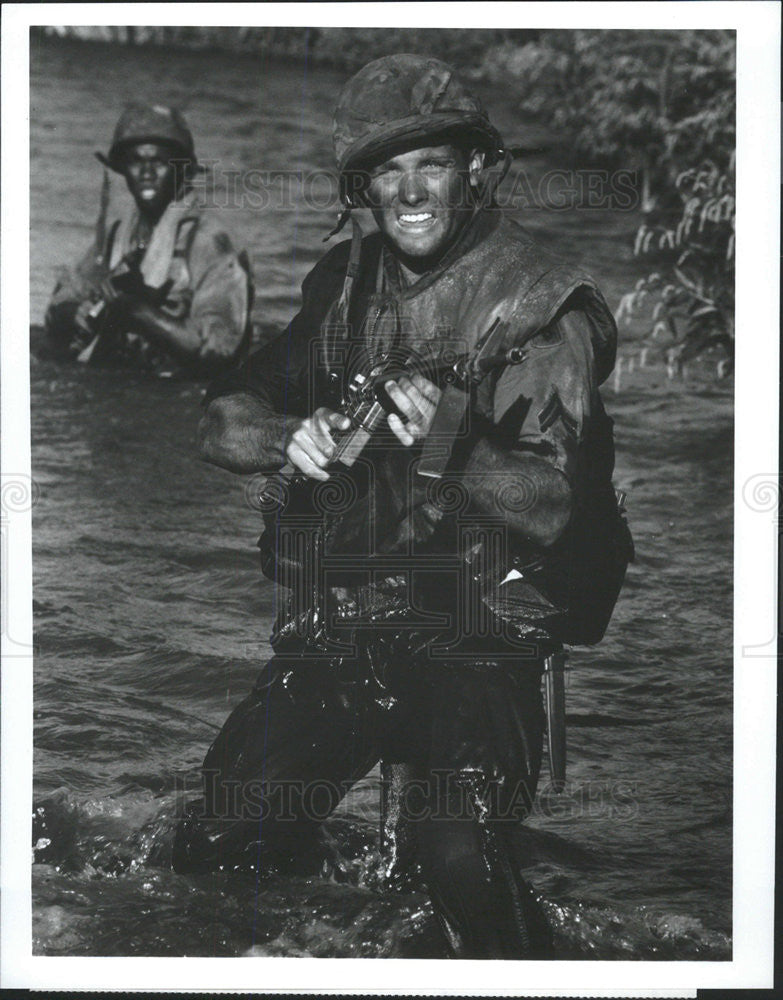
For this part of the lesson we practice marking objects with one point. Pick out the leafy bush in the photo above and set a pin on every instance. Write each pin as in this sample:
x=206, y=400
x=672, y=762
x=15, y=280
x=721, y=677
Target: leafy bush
x=661, y=103
x=693, y=307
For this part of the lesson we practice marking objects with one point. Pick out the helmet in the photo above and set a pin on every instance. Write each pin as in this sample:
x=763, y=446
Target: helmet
x=398, y=100
x=149, y=123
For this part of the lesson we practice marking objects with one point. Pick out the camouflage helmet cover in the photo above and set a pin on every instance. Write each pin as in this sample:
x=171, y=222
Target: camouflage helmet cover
x=141, y=123
x=402, y=99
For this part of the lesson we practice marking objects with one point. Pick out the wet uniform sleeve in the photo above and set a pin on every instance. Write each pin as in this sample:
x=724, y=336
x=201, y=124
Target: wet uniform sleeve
x=542, y=406
x=279, y=373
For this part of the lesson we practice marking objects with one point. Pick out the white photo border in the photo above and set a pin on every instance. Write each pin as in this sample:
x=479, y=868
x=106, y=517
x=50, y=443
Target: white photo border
x=755, y=503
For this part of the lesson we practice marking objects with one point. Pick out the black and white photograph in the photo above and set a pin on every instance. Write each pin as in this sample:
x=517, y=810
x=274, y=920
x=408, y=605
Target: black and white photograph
x=389, y=505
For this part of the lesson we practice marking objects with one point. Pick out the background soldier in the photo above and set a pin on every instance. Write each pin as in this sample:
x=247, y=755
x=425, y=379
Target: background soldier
x=454, y=712
x=163, y=283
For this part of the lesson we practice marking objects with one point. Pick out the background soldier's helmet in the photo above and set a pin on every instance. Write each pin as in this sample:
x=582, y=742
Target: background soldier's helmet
x=404, y=101
x=157, y=123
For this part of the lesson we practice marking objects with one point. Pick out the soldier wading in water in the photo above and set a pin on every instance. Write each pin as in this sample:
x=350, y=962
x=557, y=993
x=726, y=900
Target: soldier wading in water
x=162, y=288
x=470, y=531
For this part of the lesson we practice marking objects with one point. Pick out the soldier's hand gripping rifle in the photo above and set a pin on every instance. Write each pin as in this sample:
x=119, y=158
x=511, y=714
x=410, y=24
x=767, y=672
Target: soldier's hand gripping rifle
x=367, y=405
x=366, y=402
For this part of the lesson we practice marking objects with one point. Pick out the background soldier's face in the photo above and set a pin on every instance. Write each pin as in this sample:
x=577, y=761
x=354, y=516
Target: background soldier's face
x=151, y=176
x=421, y=198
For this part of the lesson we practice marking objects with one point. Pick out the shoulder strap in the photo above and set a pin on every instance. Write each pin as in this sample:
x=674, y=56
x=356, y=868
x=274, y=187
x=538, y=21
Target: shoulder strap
x=351, y=271
x=186, y=233
x=110, y=238
x=247, y=336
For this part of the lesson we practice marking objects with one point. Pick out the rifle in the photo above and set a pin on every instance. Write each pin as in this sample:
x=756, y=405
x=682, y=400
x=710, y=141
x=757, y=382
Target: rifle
x=366, y=404
x=125, y=277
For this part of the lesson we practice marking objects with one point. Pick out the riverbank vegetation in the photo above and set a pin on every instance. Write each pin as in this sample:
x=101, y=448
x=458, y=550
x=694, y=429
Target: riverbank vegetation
x=343, y=48
x=662, y=105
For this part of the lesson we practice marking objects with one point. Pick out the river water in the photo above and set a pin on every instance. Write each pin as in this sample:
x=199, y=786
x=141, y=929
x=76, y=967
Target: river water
x=151, y=616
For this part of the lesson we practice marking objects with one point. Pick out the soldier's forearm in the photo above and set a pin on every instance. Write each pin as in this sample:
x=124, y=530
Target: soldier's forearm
x=241, y=434
x=178, y=336
x=533, y=496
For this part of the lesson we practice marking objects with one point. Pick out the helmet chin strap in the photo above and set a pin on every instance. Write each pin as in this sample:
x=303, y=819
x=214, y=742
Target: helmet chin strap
x=353, y=261
x=348, y=205
x=342, y=218
x=492, y=179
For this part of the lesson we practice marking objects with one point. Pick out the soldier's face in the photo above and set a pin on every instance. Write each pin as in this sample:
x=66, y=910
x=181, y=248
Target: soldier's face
x=420, y=199
x=151, y=176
